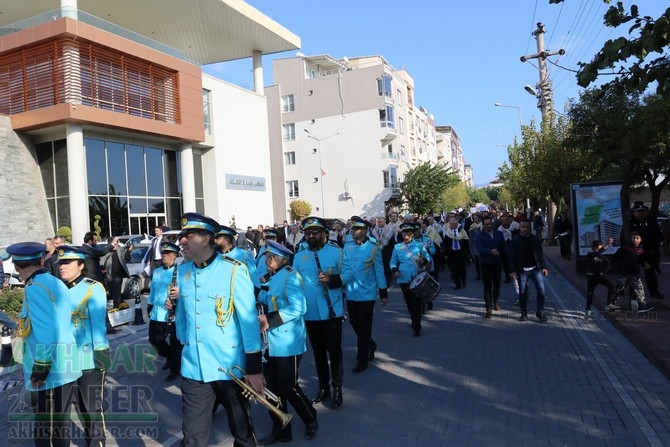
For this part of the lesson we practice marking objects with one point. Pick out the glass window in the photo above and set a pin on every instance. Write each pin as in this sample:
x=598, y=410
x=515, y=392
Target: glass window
x=171, y=173
x=45, y=159
x=207, y=111
x=398, y=97
x=118, y=216
x=292, y=189
x=287, y=104
x=116, y=168
x=289, y=132
x=62, y=172
x=386, y=117
x=401, y=125
x=154, y=162
x=96, y=167
x=384, y=86
x=289, y=158
x=98, y=214
x=137, y=206
x=137, y=184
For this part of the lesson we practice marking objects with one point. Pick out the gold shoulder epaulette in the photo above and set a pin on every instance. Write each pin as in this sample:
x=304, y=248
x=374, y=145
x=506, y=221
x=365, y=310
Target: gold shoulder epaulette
x=90, y=281
x=231, y=260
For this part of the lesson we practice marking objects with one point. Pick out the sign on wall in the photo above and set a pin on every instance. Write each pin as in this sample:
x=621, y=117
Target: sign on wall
x=245, y=182
x=597, y=212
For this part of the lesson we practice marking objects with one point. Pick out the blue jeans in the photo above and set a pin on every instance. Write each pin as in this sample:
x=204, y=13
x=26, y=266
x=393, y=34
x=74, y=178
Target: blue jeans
x=534, y=275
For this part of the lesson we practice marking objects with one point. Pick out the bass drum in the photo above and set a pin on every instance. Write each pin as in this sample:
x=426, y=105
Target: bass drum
x=424, y=287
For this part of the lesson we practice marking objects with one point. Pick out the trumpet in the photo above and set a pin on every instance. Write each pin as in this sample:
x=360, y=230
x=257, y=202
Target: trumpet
x=264, y=335
x=268, y=399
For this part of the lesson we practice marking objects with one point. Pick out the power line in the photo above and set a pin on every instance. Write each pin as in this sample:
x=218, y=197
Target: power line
x=532, y=26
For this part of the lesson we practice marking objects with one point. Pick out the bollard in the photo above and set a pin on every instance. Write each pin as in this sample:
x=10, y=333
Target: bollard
x=138, y=312
x=7, y=358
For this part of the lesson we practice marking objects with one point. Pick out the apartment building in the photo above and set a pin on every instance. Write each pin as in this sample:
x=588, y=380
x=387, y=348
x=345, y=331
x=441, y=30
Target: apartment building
x=343, y=132
x=109, y=122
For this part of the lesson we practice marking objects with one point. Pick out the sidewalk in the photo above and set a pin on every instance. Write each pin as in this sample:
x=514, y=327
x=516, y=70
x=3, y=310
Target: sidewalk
x=650, y=334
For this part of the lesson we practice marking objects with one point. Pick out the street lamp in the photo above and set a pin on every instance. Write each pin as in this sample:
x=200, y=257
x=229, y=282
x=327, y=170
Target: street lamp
x=497, y=104
x=318, y=151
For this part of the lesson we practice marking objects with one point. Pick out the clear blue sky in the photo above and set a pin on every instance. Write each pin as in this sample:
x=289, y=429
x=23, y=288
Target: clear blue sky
x=463, y=55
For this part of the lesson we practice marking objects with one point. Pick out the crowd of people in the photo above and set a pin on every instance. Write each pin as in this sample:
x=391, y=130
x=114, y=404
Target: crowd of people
x=234, y=317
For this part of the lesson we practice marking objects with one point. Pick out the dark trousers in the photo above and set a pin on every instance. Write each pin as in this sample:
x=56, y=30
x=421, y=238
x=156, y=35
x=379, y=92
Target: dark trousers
x=491, y=280
x=591, y=282
x=325, y=336
x=360, y=317
x=52, y=420
x=90, y=388
x=565, y=244
x=115, y=291
x=198, y=400
x=281, y=377
x=387, y=253
x=158, y=334
x=456, y=264
x=437, y=262
x=413, y=306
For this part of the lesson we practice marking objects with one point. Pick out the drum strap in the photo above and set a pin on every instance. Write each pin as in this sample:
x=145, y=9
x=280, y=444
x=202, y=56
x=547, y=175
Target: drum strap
x=409, y=252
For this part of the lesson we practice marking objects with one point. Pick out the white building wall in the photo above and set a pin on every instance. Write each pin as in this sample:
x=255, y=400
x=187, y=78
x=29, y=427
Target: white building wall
x=241, y=150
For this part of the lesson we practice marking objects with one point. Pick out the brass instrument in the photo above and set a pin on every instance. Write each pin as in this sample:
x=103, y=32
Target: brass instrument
x=264, y=334
x=269, y=400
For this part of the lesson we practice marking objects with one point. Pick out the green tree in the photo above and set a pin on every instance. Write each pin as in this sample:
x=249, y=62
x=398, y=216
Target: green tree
x=423, y=187
x=478, y=195
x=454, y=197
x=638, y=60
x=300, y=209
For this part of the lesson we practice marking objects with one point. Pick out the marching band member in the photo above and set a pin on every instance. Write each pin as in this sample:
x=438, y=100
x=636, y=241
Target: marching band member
x=261, y=269
x=284, y=324
x=49, y=344
x=408, y=259
x=88, y=304
x=225, y=241
x=364, y=258
x=217, y=322
x=320, y=266
x=160, y=327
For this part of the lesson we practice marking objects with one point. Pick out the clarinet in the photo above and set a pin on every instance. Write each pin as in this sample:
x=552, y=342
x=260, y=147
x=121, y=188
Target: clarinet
x=331, y=311
x=170, y=316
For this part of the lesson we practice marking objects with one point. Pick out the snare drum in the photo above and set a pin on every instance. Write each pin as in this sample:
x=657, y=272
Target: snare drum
x=424, y=287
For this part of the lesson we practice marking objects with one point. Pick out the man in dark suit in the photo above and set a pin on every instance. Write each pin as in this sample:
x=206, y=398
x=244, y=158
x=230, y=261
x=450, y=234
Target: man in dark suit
x=92, y=262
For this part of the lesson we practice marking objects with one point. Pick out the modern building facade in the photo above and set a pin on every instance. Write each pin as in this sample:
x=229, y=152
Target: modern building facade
x=110, y=124
x=343, y=132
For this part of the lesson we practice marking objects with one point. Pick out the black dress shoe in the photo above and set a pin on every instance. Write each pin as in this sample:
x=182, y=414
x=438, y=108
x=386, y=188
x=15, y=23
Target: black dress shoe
x=373, y=348
x=321, y=395
x=166, y=366
x=359, y=368
x=337, y=397
x=312, y=427
x=282, y=436
x=112, y=331
x=417, y=332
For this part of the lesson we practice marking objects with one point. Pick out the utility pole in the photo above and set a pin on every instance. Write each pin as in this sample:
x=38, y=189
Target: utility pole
x=545, y=102
x=545, y=94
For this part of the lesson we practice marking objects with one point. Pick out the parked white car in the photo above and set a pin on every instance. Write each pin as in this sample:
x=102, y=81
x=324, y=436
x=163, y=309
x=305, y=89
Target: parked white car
x=9, y=276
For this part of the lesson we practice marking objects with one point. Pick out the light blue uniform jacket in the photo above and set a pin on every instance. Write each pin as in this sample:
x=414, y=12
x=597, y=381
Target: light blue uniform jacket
x=89, y=318
x=246, y=258
x=46, y=307
x=286, y=303
x=405, y=257
x=216, y=320
x=365, y=263
x=160, y=286
x=330, y=258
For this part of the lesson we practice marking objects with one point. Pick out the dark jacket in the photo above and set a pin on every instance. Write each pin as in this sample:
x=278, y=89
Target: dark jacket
x=596, y=263
x=484, y=243
x=92, y=261
x=628, y=260
x=516, y=254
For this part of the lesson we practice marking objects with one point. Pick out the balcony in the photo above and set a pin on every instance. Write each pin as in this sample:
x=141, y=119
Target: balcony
x=392, y=157
x=388, y=132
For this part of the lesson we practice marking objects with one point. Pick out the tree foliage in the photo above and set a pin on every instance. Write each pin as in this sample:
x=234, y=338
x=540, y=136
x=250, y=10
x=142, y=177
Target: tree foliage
x=300, y=209
x=637, y=61
x=454, y=197
x=423, y=187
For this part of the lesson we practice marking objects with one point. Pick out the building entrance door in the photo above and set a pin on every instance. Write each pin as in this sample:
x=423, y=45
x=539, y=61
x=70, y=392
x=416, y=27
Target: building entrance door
x=145, y=224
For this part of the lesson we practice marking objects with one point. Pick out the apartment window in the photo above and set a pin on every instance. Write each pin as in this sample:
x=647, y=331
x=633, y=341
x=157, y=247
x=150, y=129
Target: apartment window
x=398, y=97
x=386, y=118
x=292, y=189
x=384, y=86
x=207, y=110
x=402, y=152
x=401, y=125
x=289, y=132
x=287, y=104
x=390, y=177
x=289, y=158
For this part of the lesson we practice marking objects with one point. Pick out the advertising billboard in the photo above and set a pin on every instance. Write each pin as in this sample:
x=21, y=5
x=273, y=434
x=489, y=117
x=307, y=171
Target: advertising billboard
x=597, y=214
